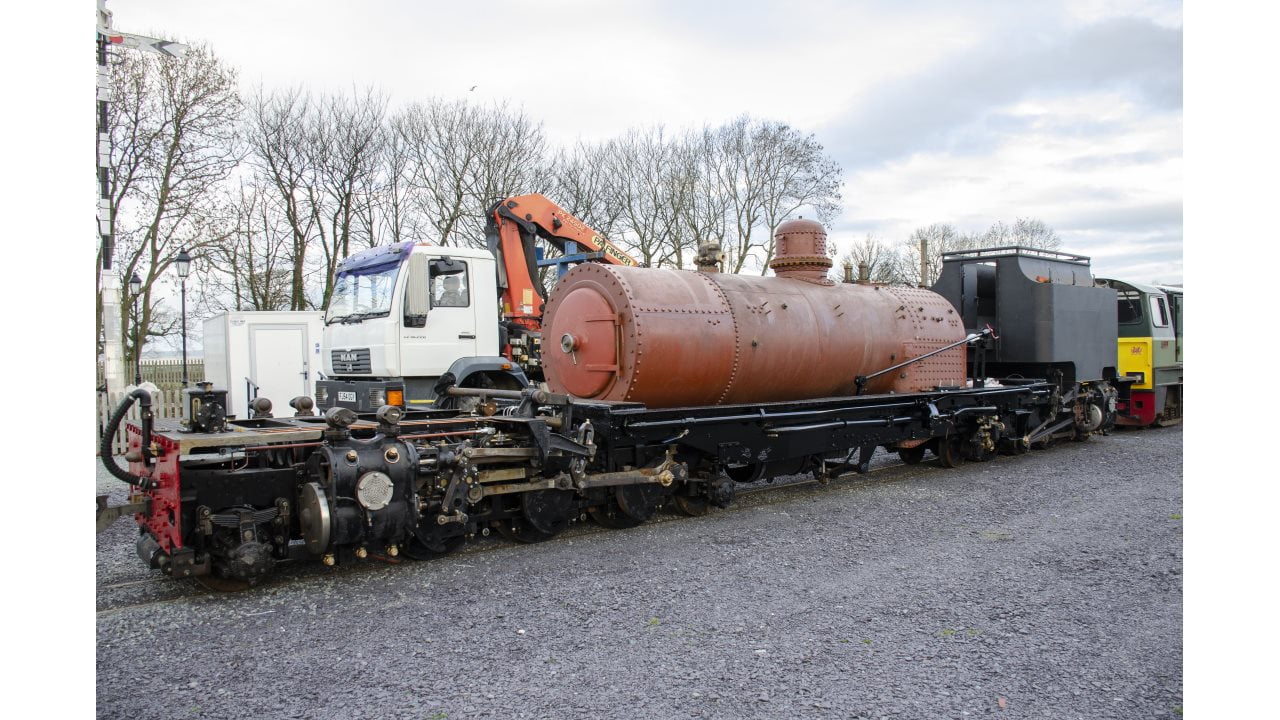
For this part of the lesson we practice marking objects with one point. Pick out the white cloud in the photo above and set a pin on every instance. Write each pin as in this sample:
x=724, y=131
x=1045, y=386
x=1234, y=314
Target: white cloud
x=1109, y=195
x=1164, y=12
x=939, y=111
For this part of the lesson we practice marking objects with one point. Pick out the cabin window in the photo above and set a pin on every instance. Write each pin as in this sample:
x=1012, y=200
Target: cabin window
x=1129, y=307
x=364, y=292
x=1159, y=311
x=449, y=286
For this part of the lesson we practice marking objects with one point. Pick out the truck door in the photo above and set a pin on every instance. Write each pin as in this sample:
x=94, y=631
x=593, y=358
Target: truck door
x=279, y=365
x=450, y=329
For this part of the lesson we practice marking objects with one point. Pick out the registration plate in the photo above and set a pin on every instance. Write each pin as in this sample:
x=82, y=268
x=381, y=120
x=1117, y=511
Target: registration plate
x=346, y=396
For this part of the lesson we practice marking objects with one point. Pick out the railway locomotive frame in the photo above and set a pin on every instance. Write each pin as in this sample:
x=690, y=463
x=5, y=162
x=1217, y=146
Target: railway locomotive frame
x=230, y=499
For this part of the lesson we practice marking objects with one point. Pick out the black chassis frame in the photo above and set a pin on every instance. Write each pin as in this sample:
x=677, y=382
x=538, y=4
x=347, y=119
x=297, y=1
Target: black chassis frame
x=783, y=438
x=744, y=443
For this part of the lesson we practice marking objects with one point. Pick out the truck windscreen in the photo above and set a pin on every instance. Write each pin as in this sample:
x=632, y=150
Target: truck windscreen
x=363, y=293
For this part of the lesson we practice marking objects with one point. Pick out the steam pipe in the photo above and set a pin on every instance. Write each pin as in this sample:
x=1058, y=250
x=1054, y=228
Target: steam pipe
x=540, y=396
x=862, y=380
x=113, y=423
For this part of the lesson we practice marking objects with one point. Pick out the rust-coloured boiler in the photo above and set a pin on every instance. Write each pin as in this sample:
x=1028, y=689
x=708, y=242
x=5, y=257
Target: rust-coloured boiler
x=670, y=338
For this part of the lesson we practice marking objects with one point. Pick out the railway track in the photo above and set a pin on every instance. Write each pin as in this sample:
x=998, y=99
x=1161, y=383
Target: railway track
x=121, y=596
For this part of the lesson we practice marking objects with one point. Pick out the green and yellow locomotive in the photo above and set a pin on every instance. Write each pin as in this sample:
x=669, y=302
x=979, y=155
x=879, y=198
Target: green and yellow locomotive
x=1150, y=350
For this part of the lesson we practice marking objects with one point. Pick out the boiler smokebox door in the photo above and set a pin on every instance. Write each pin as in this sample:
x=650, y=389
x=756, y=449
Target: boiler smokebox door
x=588, y=357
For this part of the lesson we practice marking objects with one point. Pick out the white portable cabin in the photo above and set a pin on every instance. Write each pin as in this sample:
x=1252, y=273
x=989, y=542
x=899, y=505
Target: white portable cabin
x=263, y=354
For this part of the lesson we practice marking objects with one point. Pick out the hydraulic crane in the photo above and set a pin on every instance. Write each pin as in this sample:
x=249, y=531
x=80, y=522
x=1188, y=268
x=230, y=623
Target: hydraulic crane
x=512, y=228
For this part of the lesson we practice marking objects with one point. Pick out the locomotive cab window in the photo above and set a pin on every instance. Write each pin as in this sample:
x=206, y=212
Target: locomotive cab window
x=1159, y=311
x=449, y=285
x=1129, y=307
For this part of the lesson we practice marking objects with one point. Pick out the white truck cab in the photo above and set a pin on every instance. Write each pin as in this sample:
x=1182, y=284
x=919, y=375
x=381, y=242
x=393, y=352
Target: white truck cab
x=400, y=317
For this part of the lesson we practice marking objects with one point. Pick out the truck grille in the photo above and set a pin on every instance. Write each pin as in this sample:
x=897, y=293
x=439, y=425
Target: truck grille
x=352, y=361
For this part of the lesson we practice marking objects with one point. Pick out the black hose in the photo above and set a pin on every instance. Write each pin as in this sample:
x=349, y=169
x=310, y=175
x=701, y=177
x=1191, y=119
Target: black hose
x=109, y=433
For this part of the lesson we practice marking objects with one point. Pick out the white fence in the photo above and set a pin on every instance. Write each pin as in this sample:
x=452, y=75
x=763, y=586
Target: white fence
x=163, y=405
x=166, y=374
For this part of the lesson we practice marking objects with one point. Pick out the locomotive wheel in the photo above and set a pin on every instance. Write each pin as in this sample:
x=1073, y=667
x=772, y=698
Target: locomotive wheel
x=548, y=511
x=543, y=515
x=691, y=506
x=519, y=530
x=611, y=516
x=630, y=506
x=417, y=549
x=913, y=455
x=950, y=451
x=639, y=502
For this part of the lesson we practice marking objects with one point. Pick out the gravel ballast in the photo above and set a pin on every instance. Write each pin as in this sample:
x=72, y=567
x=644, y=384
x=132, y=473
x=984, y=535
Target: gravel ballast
x=1041, y=586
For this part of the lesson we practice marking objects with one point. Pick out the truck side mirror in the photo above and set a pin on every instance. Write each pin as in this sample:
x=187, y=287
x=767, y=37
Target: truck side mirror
x=417, y=292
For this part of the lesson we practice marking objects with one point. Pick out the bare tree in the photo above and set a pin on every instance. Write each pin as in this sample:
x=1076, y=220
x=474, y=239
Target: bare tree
x=345, y=149
x=330, y=175
x=732, y=184
x=277, y=131
x=884, y=262
x=580, y=183
x=942, y=238
x=796, y=174
x=642, y=164
x=767, y=171
x=175, y=131
x=938, y=238
x=1027, y=232
x=738, y=181
x=251, y=268
x=462, y=158
x=512, y=153
x=383, y=208
x=434, y=135
x=702, y=211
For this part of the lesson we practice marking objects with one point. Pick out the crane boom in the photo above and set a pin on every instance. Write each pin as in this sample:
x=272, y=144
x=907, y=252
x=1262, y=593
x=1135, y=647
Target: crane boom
x=512, y=226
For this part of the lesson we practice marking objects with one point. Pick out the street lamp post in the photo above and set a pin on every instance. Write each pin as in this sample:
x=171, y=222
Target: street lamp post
x=183, y=261
x=135, y=289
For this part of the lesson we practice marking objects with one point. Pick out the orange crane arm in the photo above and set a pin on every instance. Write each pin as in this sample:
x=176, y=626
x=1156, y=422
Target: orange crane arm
x=512, y=227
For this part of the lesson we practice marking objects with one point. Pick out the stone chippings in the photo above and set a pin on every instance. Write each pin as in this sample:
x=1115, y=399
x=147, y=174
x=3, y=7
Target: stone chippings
x=1050, y=584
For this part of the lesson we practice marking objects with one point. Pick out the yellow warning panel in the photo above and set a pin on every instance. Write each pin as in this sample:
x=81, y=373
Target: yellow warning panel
x=1135, y=359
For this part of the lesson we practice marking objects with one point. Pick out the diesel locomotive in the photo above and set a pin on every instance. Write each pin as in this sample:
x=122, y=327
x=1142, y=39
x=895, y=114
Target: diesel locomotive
x=663, y=387
x=1150, y=345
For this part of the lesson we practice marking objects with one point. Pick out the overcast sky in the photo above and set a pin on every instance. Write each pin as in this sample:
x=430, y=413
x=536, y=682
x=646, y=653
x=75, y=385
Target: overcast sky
x=938, y=111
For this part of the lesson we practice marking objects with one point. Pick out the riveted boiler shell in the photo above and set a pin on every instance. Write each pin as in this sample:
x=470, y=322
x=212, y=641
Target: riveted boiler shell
x=669, y=338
